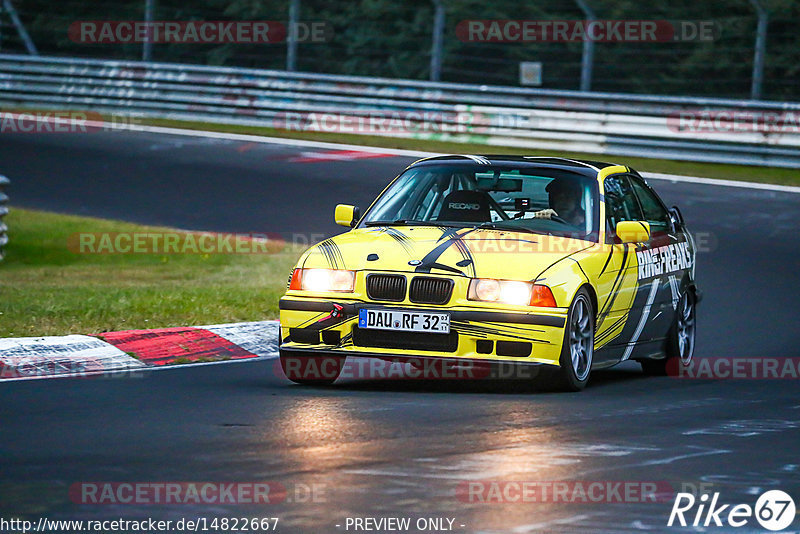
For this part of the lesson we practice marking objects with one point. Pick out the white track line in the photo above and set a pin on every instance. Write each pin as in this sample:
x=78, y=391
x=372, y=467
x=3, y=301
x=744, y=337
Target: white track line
x=250, y=138
x=420, y=154
x=159, y=368
x=719, y=182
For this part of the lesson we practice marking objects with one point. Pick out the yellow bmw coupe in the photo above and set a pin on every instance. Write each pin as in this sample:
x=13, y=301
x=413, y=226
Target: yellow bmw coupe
x=560, y=264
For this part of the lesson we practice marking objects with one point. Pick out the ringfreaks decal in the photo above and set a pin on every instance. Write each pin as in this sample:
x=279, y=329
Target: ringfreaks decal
x=663, y=260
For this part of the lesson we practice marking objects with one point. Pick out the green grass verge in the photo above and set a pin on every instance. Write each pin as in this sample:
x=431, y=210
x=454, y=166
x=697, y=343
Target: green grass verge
x=45, y=289
x=687, y=168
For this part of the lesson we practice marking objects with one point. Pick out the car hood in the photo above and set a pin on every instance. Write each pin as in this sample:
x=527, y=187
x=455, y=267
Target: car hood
x=483, y=253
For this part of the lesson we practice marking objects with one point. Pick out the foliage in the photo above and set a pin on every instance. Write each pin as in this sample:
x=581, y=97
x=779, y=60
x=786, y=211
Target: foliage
x=393, y=39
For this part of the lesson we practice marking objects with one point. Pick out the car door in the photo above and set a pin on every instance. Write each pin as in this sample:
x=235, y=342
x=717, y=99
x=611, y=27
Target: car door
x=663, y=263
x=617, y=283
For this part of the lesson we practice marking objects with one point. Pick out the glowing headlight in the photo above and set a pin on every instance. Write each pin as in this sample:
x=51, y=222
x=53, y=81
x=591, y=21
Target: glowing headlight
x=486, y=289
x=517, y=293
x=323, y=280
x=510, y=292
x=505, y=291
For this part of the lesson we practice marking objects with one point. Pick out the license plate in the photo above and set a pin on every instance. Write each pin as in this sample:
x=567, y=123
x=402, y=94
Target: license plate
x=405, y=321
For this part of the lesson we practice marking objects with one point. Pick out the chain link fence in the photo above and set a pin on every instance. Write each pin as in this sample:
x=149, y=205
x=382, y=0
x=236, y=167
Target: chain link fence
x=752, y=50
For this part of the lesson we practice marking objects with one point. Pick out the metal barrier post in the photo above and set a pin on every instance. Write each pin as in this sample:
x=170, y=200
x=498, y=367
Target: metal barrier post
x=3, y=211
x=587, y=57
x=291, y=35
x=760, y=50
x=147, y=47
x=438, y=40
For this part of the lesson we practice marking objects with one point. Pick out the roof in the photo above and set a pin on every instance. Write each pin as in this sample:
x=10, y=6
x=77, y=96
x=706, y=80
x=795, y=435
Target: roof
x=585, y=167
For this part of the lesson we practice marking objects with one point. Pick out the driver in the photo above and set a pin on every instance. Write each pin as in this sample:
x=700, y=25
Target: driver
x=565, y=202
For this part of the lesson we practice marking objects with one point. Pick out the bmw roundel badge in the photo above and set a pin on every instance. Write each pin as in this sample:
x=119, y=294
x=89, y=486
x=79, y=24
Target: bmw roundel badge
x=415, y=262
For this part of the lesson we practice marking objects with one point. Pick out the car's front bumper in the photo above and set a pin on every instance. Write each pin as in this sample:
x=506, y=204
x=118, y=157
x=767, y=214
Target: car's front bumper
x=330, y=327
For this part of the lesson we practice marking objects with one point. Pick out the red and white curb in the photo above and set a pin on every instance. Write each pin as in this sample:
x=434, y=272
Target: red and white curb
x=30, y=357
x=133, y=350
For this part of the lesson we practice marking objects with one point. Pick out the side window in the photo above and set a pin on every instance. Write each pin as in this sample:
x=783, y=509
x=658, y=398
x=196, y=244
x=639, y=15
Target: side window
x=621, y=203
x=654, y=211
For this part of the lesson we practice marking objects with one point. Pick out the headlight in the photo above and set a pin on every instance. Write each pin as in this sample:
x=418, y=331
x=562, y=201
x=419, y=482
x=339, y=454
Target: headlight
x=510, y=292
x=486, y=289
x=323, y=280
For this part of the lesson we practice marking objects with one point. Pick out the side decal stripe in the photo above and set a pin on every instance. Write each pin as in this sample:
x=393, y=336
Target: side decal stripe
x=614, y=290
x=645, y=315
x=608, y=260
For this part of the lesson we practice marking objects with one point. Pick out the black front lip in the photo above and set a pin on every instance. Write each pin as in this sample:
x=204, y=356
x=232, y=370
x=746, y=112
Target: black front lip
x=351, y=310
x=410, y=358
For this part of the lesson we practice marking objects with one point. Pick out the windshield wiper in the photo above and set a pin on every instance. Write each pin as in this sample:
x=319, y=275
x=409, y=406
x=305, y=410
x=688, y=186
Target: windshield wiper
x=396, y=222
x=498, y=225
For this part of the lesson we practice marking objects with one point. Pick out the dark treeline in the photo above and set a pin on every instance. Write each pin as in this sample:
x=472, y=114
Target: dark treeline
x=393, y=39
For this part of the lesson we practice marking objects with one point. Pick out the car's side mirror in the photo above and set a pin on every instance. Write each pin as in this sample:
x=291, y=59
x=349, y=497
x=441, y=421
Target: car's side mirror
x=676, y=218
x=633, y=231
x=347, y=215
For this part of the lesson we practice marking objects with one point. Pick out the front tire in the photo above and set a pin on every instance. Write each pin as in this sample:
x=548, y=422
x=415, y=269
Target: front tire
x=577, y=350
x=311, y=369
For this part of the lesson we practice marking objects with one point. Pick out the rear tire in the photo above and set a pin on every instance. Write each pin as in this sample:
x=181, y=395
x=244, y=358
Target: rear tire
x=311, y=369
x=654, y=367
x=680, y=341
x=577, y=349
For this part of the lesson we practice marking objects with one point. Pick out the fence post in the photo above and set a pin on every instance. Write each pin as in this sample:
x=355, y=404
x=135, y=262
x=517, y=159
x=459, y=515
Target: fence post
x=760, y=50
x=587, y=57
x=3, y=212
x=147, y=46
x=438, y=41
x=291, y=35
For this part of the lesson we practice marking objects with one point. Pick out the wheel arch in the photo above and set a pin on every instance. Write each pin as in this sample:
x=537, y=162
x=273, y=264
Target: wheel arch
x=698, y=295
x=592, y=296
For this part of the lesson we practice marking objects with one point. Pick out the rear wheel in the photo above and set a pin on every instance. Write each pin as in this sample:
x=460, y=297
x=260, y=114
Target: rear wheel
x=680, y=342
x=578, y=347
x=312, y=369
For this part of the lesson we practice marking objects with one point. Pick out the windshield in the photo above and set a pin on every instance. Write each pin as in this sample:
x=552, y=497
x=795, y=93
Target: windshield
x=547, y=201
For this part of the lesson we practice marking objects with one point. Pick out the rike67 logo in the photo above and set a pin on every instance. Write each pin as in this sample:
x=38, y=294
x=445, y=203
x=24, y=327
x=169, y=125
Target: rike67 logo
x=774, y=510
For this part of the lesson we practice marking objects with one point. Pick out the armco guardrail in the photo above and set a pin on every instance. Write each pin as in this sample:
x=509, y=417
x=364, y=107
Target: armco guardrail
x=3, y=212
x=698, y=129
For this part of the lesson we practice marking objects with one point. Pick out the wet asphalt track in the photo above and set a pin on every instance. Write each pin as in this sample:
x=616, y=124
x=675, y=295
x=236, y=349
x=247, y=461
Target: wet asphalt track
x=395, y=448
